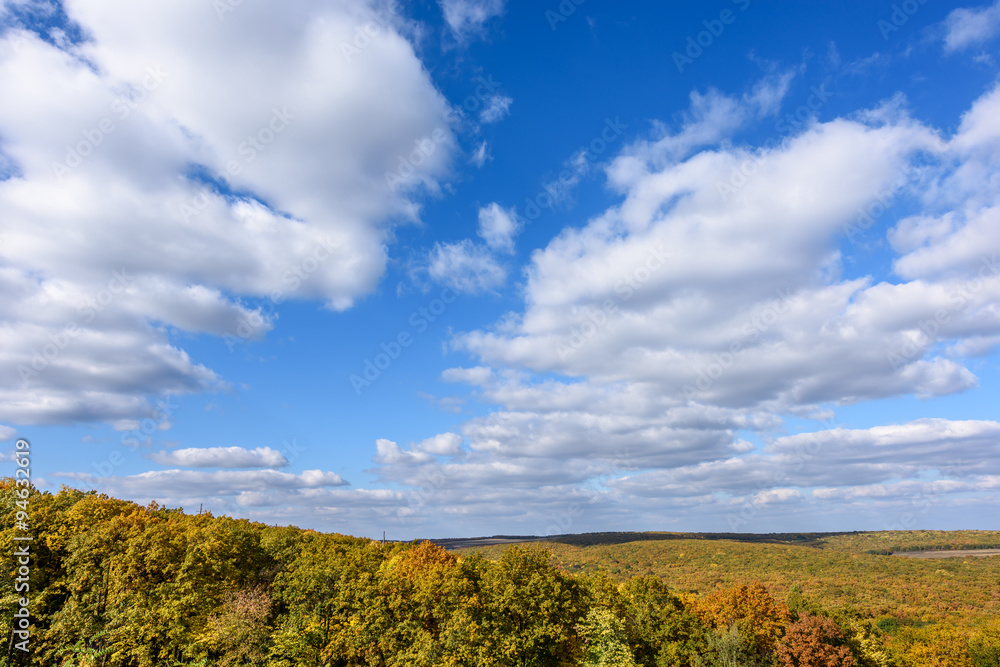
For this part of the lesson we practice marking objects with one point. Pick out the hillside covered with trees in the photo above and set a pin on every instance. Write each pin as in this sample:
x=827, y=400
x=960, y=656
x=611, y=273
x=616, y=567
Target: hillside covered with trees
x=116, y=584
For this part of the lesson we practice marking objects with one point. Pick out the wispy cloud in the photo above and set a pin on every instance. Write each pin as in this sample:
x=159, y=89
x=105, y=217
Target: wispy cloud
x=967, y=27
x=467, y=18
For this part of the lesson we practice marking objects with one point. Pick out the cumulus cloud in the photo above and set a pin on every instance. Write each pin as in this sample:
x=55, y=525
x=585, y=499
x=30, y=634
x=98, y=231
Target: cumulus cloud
x=467, y=267
x=966, y=27
x=731, y=299
x=221, y=457
x=658, y=341
x=467, y=18
x=471, y=267
x=498, y=227
x=658, y=332
x=182, y=174
x=663, y=344
x=7, y=433
x=876, y=473
x=442, y=444
x=960, y=240
x=794, y=476
x=389, y=453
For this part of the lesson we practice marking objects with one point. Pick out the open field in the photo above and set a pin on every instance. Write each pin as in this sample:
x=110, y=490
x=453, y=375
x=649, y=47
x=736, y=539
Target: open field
x=956, y=553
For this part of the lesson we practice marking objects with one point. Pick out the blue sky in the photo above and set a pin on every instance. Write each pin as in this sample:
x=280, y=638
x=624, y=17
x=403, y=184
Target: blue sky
x=464, y=267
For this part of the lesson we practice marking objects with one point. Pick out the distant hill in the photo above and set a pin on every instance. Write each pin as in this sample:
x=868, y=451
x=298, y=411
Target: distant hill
x=833, y=569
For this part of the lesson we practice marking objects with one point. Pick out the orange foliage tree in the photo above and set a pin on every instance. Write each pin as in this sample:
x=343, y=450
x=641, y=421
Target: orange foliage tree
x=814, y=641
x=760, y=618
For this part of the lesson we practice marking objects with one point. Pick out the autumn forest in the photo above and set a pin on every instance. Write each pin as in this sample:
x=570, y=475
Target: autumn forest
x=116, y=584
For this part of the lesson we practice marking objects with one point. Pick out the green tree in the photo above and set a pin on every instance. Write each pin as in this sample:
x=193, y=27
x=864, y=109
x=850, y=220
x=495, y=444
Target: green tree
x=605, y=643
x=984, y=645
x=731, y=648
x=938, y=645
x=528, y=611
x=661, y=630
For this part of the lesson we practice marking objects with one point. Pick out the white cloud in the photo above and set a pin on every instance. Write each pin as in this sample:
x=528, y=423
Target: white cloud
x=961, y=240
x=470, y=267
x=498, y=227
x=481, y=155
x=480, y=375
x=755, y=273
x=467, y=18
x=622, y=398
x=656, y=339
x=221, y=457
x=389, y=454
x=711, y=117
x=179, y=484
x=838, y=478
x=467, y=267
x=443, y=444
x=966, y=27
x=658, y=332
x=7, y=433
x=776, y=496
x=154, y=99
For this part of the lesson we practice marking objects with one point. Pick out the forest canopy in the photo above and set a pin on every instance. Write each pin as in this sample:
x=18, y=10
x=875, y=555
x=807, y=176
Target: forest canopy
x=120, y=585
